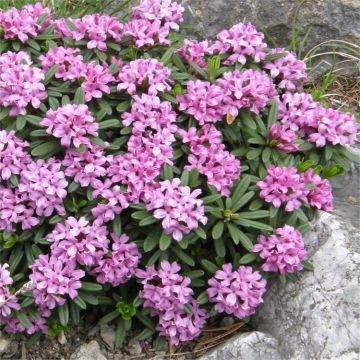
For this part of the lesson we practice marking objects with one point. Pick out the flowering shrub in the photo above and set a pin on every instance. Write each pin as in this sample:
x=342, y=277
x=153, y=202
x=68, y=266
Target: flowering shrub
x=154, y=182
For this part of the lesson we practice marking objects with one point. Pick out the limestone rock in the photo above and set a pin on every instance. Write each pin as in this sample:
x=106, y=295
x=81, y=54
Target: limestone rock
x=253, y=345
x=329, y=19
x=318, y=316
x=4, y=344
x=107, y=333
x=89, y=351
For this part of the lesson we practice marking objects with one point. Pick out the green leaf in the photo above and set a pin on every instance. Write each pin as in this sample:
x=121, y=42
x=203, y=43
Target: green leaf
x=79, y=97
x=209, y=266
x=168, y=172
x=265, y=156
x=248, y=258
x=145, y=334
x=234, y=232
x=254, y=154
x=240, y=189
x=106, y=124
x=302, y=167
x=74, y=313
x=23, y=319
x=4, y=113
x=152, y=239
x=109, y=317
x=123, y=106
x=20, y=122
x=200, y=232
x=220, y=247
x=117, y=225
x=46, y=148
x=165, y=59
x=211, y=198
x=256, y=205
x=120, y=332
x=50, y=73
x=253, y=224
x=148, y=221
x=308, y=266
x=183, y=256
x=88, y=286
x=350, y=155
x=258, y=214
x=64, y=314
x=195, y=274
x=33, y=120
x=202, y=298
x=145, y=320
x=218, y=230
x=332, y=171
x=242, y=201
x=272, y=57
x=198, y=70
x=80, y=303
x=185, y=177
x=139, y=215
x=32, y=43
x=164, y=242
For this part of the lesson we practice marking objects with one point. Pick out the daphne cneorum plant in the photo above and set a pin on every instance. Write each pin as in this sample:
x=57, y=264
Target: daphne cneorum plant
x=153, y=181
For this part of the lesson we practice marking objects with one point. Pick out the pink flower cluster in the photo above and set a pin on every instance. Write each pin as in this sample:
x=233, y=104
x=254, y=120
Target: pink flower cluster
x=43, y=185
x=94, y=78
x=194, y=51
x=283, y=138
x=240, y=41
x=283, y=252
x=284, y=185
x=166, y=293
x=20, y=83
x=8, y=301
x=95, y=29
x=72, y=124
x=178, y=207
x=146, y=75
x=22, y=24
x=13, y=158
x=238, y=292
x=13, y=326
x=287, y=71
x=209, y=157
x=121, y=265
x=320, y=125
x=209, y=103
x=53, y=280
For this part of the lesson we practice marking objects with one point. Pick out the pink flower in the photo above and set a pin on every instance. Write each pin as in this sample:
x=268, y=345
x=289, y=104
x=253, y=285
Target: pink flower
x=282, y=137
x=209, y=157
x=194, y=52
x=53, y=280
x=287, y=71
x=145, y=33
x=20, y=83
x=15, y=208
x=8, y=301
x=121, y=265
x=71, y=124
x=177, y=206
x=147, y=75
x=13, y=326
x=250, y=90
x=283, y=185
x=283, y=252
x=13, y=158
x=43, y=184
x=80, y=241
x=22, y=24
x=238, y=292
x=240, y=41
x=203, y=101
x=320, y=193
x=87, y=168
x=168, y=12
x=97, y=29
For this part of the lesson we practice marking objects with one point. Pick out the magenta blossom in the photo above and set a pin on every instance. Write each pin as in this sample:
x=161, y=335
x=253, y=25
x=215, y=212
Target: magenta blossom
x=195, y=51
x=238, y=292
x=8, y=301
x=147, y=75
x=13, y=325
x=283, y=185
x=72, y=124
x=13, y=158
x=320, y=193
x=80, y=241
x=177, y=206
x=288, y=71
x=122, y=263
x=283, y=138
x=283, y=252
x=20, y=83
x=240, y=41
x=53, y=280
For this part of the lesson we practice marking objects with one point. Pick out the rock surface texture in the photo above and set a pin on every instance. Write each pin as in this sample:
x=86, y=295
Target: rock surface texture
x=89, y=351
x=318, y=316
x=328, y=19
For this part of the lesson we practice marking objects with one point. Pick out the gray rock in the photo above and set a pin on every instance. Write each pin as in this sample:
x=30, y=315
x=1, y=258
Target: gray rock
x=4, y=344
x=107, y=333
x=253, y=345
x=329, y=19
x=89, y=351
x=318, y=316
x=134, y=347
